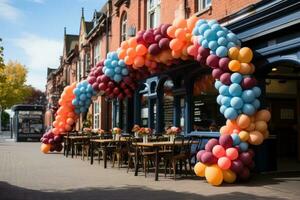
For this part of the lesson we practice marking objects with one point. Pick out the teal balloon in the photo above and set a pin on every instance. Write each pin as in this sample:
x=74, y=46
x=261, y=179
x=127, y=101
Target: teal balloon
x=109, y=72
x=76, y=91
x=248, y=109
x=236, y=139
x=125, y=72
x=236, y=78
x=121, y=63
x=82, y=90
x=74, y=102
x=114, y=55
x=118, y=70
x=77, y=110
x=230, y=45
x=222, y=109
x=235, y=90
x=230, y=113
x=231, y=37
x=81, y=103
x=218, y=84
x=216, y=27
x=226, y=101
x=236, y=103
x=257, y=91
x=204, y=43
x=212, y=22
x=213, y=45
x=221, y=34
x=202, y=28
x=248, y=96
x=114, y=63
x=210, y=35
x=82, y=97
x=221, y=51
x=200, y=22
x=224, y=90
x=256, y=104
x=222, y=41
x=107, y=62
x=219, y=98
x=243, y=146
x=117, y=78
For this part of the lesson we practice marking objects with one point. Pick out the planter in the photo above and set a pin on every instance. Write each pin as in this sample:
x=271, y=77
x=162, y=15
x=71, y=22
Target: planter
x=136, y=135
x=145, y=138
x=117, y=136
x=172, y=137
x=114, y=136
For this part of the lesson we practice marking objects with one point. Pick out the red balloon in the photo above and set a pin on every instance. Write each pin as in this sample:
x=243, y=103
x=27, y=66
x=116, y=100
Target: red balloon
x=203, y=52
x=111, y=84
x=154, y=49
x=164, y=43
x=225, y=78
x=148, y=36
x=216, y=73
x=226, y=141
x=223, y=64
x=208, y=158
x=212, y=61
x=116, y=91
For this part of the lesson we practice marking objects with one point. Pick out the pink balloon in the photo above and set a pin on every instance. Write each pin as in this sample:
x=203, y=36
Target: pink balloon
x=216, y=73
x=232, y=153
x=210, y=144
x=218, y=151
x=224, y=163
x=148, y=36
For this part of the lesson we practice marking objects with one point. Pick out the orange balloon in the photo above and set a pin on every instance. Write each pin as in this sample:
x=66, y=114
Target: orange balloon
x=234, y=65
x=225, y=130
x=176, y=44
x=180, y=23
x=132, y=42
x=255, y=138
x=55, y=123
x=261, y=126
x=243, y=121
x=245, y=55
x=245, y=68
x=124, y=45
x=70, y=121
x=139, y=61
x=68, y=127
x=176, y=54
x=233, y=53
x=191, y=22
x=263, y=115
x=122, y=54
x=232, y=124
x=71, y=115
x=45, y=148
x=128, y=60
x=140, y=50
x=180, y=34
x=171, y=31
x=251, y=127
x=131, y=52
x=55, y=131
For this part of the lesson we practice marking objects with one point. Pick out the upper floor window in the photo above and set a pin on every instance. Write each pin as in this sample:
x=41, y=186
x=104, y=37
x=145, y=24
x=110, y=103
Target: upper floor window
x=87, y=63
x=97, y=52
x=203, y=4
x=123, y=27
x=79, y=71
x=96, y=115
x=153, y=14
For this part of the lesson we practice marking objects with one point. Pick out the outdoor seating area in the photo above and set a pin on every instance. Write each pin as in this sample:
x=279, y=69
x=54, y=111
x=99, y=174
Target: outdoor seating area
x=170, y=156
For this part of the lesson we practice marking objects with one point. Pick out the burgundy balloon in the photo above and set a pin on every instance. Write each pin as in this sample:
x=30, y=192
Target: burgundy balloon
x=45, y=140
x=51, y=141
x=201, y=59
x=212, y=61
x=225, y=78
x=52, y=148
x=95, y=86
x=116, y=91
x=104, y=78
x=226, y=141
x=111, y=84
x=57, y=138
x=164, y=43
x=102, y=86
x=148, y=36
x=208, y=158
x=223, y=64
x=158, y=37
x=251, y=152
x=210, y=144
x=248, y=82
x=99, y=79
x=58, y=147
x=245, y=157
x=164, y=29
x=91, y=79
x=154, y=49
x=216, y=73
x=244, y=174
x=203, y=52
x=237, y=166
x=199, y=154
x=157, y=31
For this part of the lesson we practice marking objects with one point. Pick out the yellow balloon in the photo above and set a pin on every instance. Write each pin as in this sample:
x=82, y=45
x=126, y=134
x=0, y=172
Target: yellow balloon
x=233, y=53
x=245, y=55
x=214, y=175
x=234, y=65
x=244, y=136
x=229, y=176
x=199, y=169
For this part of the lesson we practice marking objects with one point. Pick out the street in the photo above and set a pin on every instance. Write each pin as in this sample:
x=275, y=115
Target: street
x=26, y=173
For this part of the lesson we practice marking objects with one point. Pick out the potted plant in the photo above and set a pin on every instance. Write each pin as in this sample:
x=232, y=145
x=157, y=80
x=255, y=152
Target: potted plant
x=172, y=132
x=116, y=133
x=145, y=132
x=87, y=131
x=136, y=129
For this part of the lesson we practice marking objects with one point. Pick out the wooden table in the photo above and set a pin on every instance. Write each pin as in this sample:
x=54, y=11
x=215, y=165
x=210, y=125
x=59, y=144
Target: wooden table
x=104, y=142
x=156, y=146
x=74, y=138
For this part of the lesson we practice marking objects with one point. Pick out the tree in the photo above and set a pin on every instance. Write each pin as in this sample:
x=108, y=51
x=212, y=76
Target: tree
x=2, y=78
x=36, y=97
x=5, y=119
x=13, y=89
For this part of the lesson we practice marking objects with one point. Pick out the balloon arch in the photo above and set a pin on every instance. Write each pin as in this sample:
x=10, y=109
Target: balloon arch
x=158, y=49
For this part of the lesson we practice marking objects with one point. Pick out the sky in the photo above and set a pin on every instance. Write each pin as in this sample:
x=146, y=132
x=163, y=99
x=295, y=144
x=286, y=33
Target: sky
x=32, y=32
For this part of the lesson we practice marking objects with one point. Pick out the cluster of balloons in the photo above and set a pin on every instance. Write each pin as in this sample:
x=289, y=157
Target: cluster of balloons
x=234, y=100
x=65, y=116
x=181, y=32
x=83, y=94
x=96, y=75
x=212, y=35
x=51, y=142
x=114, y=67
x=224, y=160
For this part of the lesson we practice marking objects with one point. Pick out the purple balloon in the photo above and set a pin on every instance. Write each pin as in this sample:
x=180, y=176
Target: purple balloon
x=226, y=141
x=248, y=83
x=154, y=49
x=52, y=148
x=199, y=154
x=210, y=144
x=157, y=31
x=164, y=29
x=236, y=166
x=45, y=140
x=203, y=52
x=245, y=157
x=57, y=138
x=164, y=43
x=51, y=141
x=244, y=174
x=148, y=36
x=225, y=78
x=208, y=158
x=158, y=37
x=212, y=61
x=223, y=64
x=216, y=73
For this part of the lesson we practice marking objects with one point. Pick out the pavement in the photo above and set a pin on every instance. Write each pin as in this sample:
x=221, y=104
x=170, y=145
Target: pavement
x=27, y=174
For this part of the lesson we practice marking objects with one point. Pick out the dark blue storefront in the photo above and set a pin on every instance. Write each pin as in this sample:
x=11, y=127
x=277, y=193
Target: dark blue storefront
x=272, y=30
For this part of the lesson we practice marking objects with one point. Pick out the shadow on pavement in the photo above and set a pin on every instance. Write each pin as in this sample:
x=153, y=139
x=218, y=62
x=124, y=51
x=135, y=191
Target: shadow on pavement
x=11, y=192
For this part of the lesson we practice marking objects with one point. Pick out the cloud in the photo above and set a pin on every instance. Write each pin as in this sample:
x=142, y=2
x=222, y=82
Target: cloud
x=38, y=1
x=40, y=53
x=8, y=11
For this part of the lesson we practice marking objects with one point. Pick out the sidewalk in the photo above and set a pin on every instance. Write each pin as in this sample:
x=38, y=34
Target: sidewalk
x=27, y=174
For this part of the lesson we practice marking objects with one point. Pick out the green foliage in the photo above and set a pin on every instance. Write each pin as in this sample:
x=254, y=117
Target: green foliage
x=4, y=119
x=13, y=89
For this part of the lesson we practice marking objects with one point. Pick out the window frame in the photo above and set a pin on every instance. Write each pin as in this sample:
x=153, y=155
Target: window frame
x=123, y=27
x=96, y=114
x=97, y=52
x=155, y=10
x=203, y=5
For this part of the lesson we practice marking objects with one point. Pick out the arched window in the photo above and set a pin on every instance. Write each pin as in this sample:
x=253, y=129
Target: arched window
x=123, y=28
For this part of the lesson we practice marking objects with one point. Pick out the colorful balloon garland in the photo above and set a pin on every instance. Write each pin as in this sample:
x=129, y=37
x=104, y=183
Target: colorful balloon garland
x=226, y=159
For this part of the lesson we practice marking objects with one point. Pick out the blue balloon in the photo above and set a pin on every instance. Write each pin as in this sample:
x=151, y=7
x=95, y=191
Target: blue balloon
x=109, y=55
x=121, y=63
x=236, y=103
x=89, y=88
x=195, y=31
x=210, y=35
x=224, y=90
x=219, y=98
x=83, y=109
x=74, y=102
x=236, y=78
x=213, y=45
x=221, y=34
x=222, y=109
x=81, y=103
x=236, y=139
x=257, y=91
x=248, y=109
x=231, y=37
x=243, y=146
x=235, y=90
x=230, y=45
x=230, y=113
x=89, y=95
x=107, y=62
x=221, y=51
x=216, y=27
x=226, y=101
x=204, y=43
x=212, y=22
x=114, y=63
x=82, y=97
x=222, y=41
x=109, y=72
x=76, y=91
x=82, y=89
x=218, y=84
x=118, y=70
x=248, y=96
x=125, y=72
x=88, y=101
x=202, y=28
x=117, y=78
x=77, y=110
x=84, y=83
x=114, y=55
x=200, y=22
x=256, y=104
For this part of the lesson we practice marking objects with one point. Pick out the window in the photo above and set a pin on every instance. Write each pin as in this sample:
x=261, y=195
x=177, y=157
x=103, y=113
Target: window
x=87, y=63
x=203, y=4
x=123, y=27
x=78, y=70
x=97, y=52
x=96, y=115
x=153, y=15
